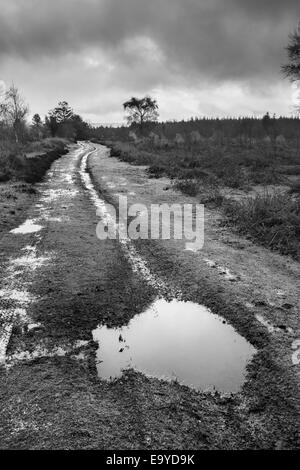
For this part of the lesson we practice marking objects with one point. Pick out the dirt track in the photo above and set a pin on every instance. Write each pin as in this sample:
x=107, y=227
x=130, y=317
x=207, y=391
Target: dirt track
x=60, y=282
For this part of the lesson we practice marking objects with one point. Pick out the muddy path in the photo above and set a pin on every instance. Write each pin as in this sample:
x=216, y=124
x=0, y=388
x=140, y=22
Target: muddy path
x=61, y=286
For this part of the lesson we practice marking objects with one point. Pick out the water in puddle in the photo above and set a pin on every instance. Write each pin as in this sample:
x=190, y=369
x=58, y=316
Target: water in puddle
x=176, y=340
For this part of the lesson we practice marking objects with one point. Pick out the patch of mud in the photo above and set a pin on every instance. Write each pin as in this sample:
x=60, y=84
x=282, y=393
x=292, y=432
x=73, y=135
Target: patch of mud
x=179, y=341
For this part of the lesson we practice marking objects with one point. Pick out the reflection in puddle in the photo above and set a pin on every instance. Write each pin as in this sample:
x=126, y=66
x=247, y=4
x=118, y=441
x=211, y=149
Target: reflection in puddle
x=176, y=340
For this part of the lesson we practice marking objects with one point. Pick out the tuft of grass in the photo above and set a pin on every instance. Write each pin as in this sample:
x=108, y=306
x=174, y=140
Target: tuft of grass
x=189, y=187
x=205, y=192
x=156, y=171
x=271, y=219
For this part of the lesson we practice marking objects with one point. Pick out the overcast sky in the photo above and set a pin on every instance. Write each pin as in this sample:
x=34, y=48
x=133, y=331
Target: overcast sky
x=196, y=57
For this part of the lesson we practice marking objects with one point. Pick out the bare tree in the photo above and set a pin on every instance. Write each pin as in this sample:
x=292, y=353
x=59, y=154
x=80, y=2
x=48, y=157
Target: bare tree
x=141, y=111
x=13, y=110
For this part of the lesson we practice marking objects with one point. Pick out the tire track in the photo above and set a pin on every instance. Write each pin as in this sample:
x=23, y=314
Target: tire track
x=137, y=263
x=21, y=271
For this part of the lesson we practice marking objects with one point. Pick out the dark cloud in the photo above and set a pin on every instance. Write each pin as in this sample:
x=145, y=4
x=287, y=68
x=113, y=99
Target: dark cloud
x=270, y=9
x=219, y=39
x=83, y=48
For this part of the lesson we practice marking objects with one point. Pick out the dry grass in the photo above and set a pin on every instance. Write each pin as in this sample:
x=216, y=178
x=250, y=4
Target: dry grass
x=271, y=219
x=231, y=165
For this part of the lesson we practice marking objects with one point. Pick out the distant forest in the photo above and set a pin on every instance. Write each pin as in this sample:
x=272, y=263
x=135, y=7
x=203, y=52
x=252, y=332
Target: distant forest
x=227, y=128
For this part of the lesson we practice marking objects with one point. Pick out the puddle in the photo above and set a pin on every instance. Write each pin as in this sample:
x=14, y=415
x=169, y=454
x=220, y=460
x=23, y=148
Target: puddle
x=179, y=341
x=27, y=227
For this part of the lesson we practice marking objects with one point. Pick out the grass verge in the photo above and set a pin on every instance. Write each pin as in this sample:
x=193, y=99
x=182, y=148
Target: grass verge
x=20, y=168
x=231, y=165
x=29, y=163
